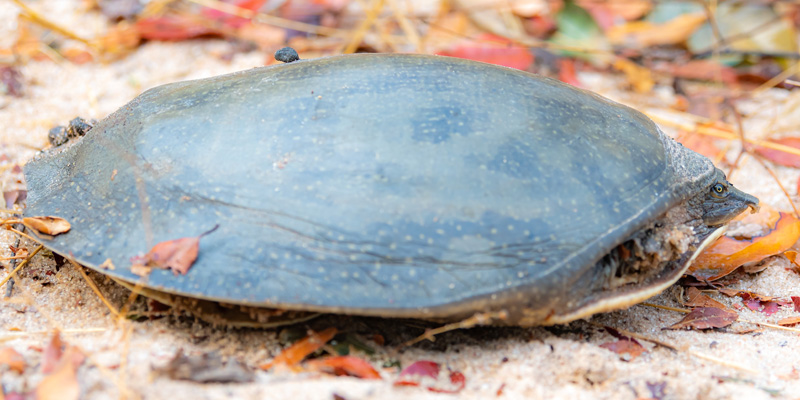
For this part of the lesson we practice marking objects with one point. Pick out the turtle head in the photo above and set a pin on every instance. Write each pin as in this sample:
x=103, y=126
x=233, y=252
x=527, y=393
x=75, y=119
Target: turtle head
x=723, y=202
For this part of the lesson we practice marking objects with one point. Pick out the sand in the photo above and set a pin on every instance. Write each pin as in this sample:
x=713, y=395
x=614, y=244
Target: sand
x=537, y=363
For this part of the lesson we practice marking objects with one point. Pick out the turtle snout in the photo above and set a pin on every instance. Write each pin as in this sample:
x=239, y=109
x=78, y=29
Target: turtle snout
x=720, y=211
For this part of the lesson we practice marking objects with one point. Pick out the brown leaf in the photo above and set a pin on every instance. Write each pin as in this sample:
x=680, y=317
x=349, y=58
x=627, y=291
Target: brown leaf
x=206, y=368
x=47, y=225
x=177, y=255
x=796, y=302
x=781, y=157
x=344, y=365
x=626, y=346
x=302, y=349
x=698, y=299
x=701, y=70
x=706, y=318
x=12, y=359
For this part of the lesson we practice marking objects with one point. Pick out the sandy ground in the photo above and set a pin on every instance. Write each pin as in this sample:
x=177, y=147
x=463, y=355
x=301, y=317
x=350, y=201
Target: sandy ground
x=538, y=363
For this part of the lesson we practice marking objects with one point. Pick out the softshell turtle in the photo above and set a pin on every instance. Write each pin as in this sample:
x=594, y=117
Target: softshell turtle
x=388, y=185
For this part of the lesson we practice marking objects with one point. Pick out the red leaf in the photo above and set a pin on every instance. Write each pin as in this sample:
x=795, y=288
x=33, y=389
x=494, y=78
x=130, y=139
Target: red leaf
x=493, y=49
x=418, y=369
x=566, y=72
x=177, y=255
x=428, y=373
x=173, y=27
x=705, y=318
x=780, y=157
x=232, y=20
x=796, y=301
x=345, y=365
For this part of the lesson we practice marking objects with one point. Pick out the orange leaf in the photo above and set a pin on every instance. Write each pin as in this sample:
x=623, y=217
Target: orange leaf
x=646, y=34
x=345, y=365
x=62, y=384
x=780, y=157
x=47, y=225
x=492, y=49
x=789, y=321
x=14, y=360
x=705, y=318
x=625, y=346
x=52, y=353
x=177, y=255
x=300, y=350
x=701, y=144
x=727, y=253
x=638, y=76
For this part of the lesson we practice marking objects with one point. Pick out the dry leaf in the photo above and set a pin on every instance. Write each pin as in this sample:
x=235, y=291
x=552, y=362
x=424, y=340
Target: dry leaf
x=344, y=365
x=796, y=302
x=14, y=197
x=706, y=318
x=727, y=253
x=177, y=255
x=47, y=225
x=698, y=299
x=430, y=374
x=789, y=321
x=701, y=144
x=62, y=384
x=492, y=49
x=302, y=349
x=174, y=27
x=701, y=70
x=781, y=157
x=611, y=11
x=206, y=368
x=628, y=348
x=638, y=76
x=757, y=302
x=10, y=81
x=52, y=353
x=108, y=264
x=12, y=359
x=645, y=34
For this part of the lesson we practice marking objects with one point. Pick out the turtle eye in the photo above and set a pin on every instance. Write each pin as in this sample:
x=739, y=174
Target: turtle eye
x=718, y=190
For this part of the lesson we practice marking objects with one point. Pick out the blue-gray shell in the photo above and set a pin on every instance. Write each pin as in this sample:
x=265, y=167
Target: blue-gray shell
x=392, y=185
